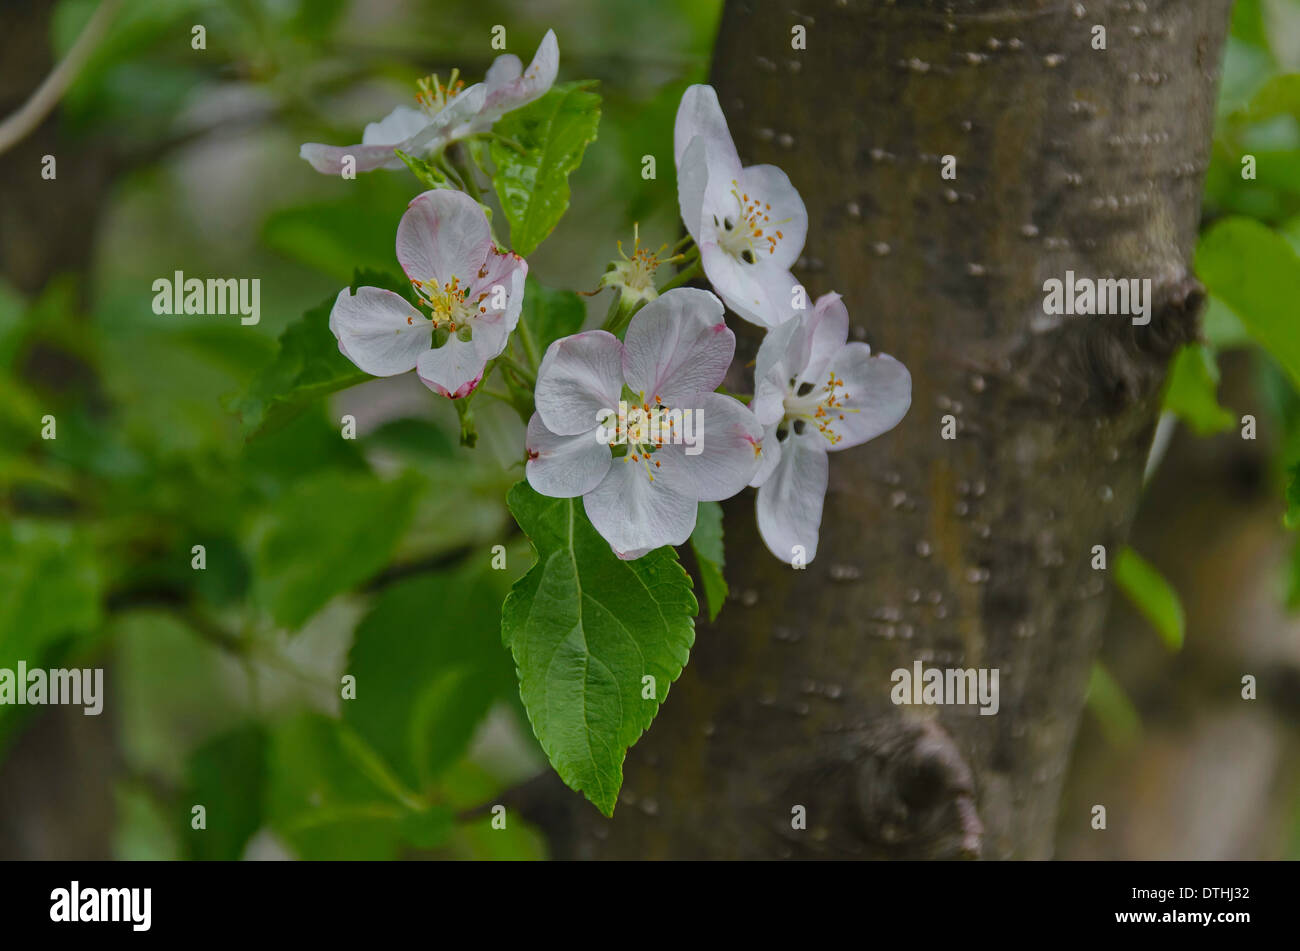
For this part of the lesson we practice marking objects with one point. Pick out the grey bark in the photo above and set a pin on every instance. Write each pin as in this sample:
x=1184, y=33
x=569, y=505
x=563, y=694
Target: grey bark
x=973, y=552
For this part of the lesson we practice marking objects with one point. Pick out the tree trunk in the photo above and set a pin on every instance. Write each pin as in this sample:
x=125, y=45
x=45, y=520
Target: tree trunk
x=973, y=552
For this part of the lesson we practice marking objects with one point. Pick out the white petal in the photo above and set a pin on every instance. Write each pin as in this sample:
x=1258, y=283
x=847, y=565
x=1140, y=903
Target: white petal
x=443, y=234
x=787, y=216
x=692, y=180
x=790, y=501
x=770, y=457
x=453, y=370
x=523, y=88
x=580, y=376
x=564, y=466
x=877, y=393
x=454, y=121
x=678, y=346
x=700, y=115
x=379, y=331
x=725, y=455
x=399, y=125
x=329, y=159
x=827, y=329
x=761, y=294
x=637, y=515
x=504, y=69
x=506, y=270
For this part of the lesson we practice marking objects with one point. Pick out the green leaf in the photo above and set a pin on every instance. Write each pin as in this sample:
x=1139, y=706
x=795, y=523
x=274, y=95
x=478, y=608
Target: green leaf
x=50, y=586
x=548, y=315
x=428, y=174
x=1256, y=273
x=585, y=627
x=706, y=542
x=333, y=532
x=1190, y=391
x=1111, y=706
x=1152, y=596
x=331, y=797
x=428, y=665
x=307, y=367
x=533, y=185
x=226, y=776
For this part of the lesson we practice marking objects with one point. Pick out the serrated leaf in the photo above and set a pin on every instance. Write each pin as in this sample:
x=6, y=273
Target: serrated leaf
x=584, y=628
x=1191, y=391
x=533, y=185
x=1256, y=273
x=706, y=542
x=333, y=532
x=1152, y=596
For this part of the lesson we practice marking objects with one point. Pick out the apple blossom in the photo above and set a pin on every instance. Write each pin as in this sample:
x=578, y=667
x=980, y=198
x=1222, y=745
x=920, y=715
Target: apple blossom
x=749, y=223
x=815, y=393
x=676, y=351
x=445, y=113
x=471, y=290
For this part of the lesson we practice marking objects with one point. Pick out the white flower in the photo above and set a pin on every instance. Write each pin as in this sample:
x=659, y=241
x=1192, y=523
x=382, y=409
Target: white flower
x=676, y=352
x=749, y=223
x=471, y=290
x=445, y=113
x=814, y=394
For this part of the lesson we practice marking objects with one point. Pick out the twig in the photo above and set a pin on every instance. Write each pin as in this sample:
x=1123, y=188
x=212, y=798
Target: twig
x=47, y=95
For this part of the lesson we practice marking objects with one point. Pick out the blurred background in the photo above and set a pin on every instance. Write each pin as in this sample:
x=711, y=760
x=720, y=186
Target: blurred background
x=224, y=685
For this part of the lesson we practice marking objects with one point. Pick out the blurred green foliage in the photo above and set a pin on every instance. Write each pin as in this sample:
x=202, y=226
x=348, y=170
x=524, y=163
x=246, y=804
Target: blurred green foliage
x=326, y=558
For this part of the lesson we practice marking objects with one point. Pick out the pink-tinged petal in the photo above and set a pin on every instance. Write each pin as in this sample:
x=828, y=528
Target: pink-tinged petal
x=677, y=346
x=442, y=235
x=637, y=515
x=877, y=392
x=719, y=452
x=453, y=370
x=564, y=466
x=580, y=377
x=522, y=88
x=379, y=331
x=790, y=501
x=398, y=126
x=506, y=270
x=760, y=294
x=770, y=457
x=700, y=116
x=827, y=329
x=781, y=356
x=786, y=217
x=329, y=159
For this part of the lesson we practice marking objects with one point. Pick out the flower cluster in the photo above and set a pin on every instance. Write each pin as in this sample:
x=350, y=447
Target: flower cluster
x=630, y=417
x=814, y=392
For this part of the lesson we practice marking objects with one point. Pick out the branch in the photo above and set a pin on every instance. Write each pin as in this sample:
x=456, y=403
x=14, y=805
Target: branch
x=47, y=95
